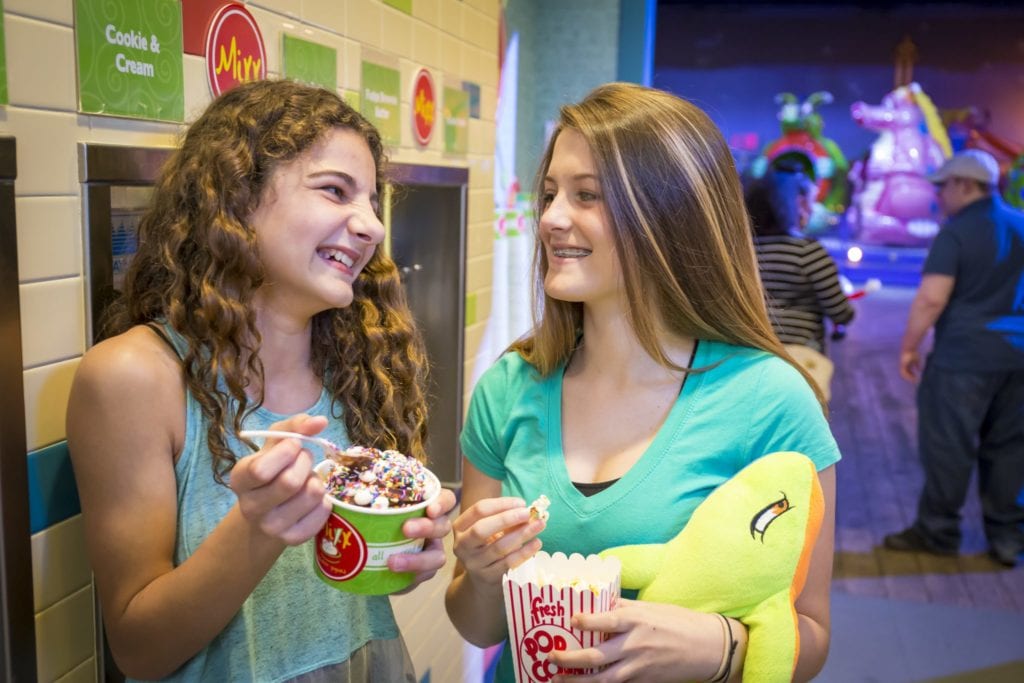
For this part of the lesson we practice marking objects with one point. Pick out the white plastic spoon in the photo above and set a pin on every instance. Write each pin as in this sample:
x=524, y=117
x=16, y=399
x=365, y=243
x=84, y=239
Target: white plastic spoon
x=331, y=450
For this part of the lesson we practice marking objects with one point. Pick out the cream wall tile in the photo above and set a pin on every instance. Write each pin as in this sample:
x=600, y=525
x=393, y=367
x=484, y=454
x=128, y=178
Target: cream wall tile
x=49, y=237
x=47, y=388
x=57, y=11
x=488, y=101
x=405, y=118
x=471, y=338
x=483, y=172
x=489, y=8
x=272, y=25
x=481, y=66
x=396, y=31
x=350, y=74
x=363, y=23
x=287, y=7
x=327, y=14
x=57, y=567
x=479, y=29
x=489, y=73
x=197, y=87
x=478, y=272
x=45, y=55
x=483, y=304
x=426, y=45
x=428, y=11
x=481, y=139
x=451, y=17
x=65, y=636
x=47, y=156
x=52, y=321
x=481, y=206
x=479, y=240
x=407, y=70
x=451, y=55
x=83, y=673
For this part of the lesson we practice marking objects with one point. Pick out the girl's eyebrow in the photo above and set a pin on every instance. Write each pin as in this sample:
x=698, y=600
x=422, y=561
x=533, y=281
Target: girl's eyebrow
x=346, y=179
x=577, y=177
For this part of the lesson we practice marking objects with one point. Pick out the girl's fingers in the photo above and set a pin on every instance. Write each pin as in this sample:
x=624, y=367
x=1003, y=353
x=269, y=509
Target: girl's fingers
x=497, y=526
x=261, y=468
x=489, y=507
x=293, y=481
x=423, y=527
x=291, y=519
x=309, y=525
x=444, y=504
x=302, y=423
x=507, y=550
x=525, y=552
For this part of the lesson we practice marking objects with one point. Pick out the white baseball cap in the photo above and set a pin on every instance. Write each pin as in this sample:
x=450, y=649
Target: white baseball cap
x=973, y=164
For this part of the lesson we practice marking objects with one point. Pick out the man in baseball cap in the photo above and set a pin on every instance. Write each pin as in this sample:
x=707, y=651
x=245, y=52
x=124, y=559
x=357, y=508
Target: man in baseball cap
x=971, y=393
x=967, y=177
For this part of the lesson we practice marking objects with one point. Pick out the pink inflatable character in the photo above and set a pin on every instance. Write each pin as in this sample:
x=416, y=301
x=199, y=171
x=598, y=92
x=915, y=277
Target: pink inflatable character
x=893, y=202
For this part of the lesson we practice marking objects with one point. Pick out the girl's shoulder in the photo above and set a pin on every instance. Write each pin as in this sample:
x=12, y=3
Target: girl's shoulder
x=747, y=364
x=137, y=358
x=510, y=369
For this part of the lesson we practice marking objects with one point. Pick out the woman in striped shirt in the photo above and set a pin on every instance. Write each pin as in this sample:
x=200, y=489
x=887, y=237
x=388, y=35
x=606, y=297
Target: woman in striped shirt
x=800, y=279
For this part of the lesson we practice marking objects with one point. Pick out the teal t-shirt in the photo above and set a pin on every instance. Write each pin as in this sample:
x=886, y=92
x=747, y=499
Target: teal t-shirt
x=750, y=404
x=292, y=623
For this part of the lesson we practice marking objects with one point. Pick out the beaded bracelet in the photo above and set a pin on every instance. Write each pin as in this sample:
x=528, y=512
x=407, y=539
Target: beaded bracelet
x=725, y=668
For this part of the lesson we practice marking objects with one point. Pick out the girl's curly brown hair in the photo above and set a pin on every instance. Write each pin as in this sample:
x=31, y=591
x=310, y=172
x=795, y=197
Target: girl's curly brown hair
x=198, y=267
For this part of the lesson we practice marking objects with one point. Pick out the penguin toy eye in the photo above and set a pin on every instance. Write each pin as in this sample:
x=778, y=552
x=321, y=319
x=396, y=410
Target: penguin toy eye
x=761, y=521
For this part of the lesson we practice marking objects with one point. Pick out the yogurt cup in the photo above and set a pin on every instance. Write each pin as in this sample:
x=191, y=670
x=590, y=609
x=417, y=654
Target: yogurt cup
x=352, y=550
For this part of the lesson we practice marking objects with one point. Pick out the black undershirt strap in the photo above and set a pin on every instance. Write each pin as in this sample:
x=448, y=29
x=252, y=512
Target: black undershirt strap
x=160, y=332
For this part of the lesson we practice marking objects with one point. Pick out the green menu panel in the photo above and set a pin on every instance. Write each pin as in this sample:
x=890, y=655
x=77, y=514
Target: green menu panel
x=130, y=58
x=380, y=98
x=310, y=62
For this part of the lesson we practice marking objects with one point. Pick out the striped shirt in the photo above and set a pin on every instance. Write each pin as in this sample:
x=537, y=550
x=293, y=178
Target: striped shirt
x=801, y=285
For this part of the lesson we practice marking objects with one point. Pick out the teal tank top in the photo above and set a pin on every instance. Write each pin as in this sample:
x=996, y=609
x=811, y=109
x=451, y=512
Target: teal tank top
x=292, y=623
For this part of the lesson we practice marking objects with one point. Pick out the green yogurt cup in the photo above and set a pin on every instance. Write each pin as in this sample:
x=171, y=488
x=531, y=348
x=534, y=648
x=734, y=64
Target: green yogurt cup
x=351, y=552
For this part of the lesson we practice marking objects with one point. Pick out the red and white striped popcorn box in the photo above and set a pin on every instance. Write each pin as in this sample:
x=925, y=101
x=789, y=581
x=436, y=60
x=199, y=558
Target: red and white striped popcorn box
x=541, y=595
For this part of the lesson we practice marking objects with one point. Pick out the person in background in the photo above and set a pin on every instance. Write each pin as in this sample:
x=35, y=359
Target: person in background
x=651, y=377
x=258, y=299
x=800, y=279
x=970, y=399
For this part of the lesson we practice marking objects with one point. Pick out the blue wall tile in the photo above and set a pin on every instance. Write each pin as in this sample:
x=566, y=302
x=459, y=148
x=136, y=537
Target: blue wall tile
x=52, y=494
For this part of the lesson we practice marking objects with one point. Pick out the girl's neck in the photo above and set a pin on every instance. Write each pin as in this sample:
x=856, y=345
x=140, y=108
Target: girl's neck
x=289, y=384
x=611, y=349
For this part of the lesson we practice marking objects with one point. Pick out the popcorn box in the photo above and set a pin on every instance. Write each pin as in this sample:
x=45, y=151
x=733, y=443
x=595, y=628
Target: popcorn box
x=541, y=595
x=351, y=551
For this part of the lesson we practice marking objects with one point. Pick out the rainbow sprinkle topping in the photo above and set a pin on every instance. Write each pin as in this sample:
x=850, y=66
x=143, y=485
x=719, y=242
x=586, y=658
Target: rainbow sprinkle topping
x=389, y=479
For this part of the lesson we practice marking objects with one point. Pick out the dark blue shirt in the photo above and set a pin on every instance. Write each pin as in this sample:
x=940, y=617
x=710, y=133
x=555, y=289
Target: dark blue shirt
x=982, y=326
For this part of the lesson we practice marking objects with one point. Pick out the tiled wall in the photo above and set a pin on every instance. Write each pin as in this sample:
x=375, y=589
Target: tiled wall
x=456, y=39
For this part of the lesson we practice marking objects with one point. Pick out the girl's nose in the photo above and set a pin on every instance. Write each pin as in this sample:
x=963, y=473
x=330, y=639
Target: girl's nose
x=555, y=215
x=366, y=226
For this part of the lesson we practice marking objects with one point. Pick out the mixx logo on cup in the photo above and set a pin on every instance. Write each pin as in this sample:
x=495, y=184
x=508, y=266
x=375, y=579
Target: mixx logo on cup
x=341, y=551
x=538, y=643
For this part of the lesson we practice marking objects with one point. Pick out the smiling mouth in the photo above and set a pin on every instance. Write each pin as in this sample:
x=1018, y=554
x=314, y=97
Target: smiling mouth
x=338, y=256
x=571, y=252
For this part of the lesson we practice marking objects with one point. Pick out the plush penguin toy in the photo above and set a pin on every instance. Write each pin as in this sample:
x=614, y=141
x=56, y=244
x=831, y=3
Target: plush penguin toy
x=745, y=554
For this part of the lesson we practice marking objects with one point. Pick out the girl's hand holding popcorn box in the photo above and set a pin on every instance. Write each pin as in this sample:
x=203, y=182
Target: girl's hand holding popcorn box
x=542, y=595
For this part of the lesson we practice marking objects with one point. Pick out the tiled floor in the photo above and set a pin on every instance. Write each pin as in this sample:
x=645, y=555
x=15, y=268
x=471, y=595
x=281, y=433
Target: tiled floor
x=905, y=616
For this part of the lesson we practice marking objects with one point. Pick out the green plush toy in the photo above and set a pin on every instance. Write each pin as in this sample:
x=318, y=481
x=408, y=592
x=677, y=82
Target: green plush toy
x=745, y=554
